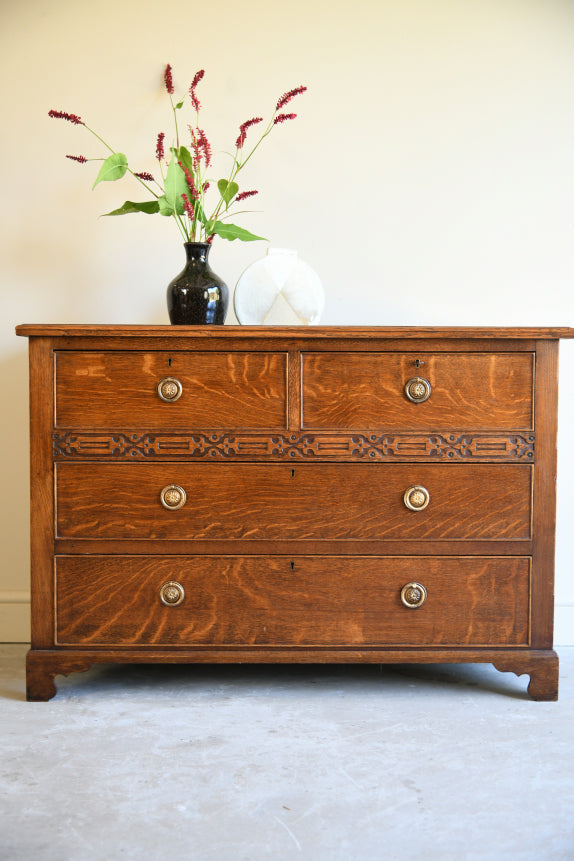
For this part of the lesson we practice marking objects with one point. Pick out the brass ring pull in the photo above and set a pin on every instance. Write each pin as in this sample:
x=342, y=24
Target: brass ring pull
x=173, y=497
x=418, y=390
x=171, y=594
x=413, y=595
x=416, y=497
x=169, y=389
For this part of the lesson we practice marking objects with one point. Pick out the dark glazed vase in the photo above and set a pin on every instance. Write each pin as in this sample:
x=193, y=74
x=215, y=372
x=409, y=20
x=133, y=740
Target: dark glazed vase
x=197, y=296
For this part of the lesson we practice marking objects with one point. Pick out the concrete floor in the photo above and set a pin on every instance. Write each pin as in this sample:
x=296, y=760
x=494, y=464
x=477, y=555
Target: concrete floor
x=248, y=763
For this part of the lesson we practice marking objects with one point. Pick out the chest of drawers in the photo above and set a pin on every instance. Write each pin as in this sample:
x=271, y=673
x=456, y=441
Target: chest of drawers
x=236, y=494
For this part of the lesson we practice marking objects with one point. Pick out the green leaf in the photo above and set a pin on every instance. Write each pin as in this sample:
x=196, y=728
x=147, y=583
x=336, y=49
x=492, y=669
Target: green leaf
x=232, y=231
x=113, y=168
x=227, y=190
x=184, y=156
x=175, y=185
x=150, y=206
x=164, y=206
x=199, y=212
x=179, y=105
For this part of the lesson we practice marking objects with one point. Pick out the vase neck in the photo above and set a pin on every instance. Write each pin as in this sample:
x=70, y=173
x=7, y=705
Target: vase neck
x=196, y=252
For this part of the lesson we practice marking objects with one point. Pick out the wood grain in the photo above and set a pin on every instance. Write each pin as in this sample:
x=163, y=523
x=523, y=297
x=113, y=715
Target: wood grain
x=299, y=333
x=284, y=601
x=294, y=541
x=546, y=416
x=366, y=390
x=308, y=501
x=41, y=493
x=101, y=389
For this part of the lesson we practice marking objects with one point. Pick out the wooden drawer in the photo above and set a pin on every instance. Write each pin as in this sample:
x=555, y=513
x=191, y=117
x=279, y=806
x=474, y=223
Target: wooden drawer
x=278, y=501
x=301, y=601
x=219, y=389
x=364, y=391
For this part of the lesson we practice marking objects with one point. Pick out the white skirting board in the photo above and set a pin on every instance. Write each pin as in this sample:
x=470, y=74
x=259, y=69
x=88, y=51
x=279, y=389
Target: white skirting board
x=15, y=620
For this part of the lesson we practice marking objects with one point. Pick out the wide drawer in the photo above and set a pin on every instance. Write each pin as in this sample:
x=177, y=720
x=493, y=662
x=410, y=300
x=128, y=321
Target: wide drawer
x=481, y=391
x=277, y=501
x=291, y=601
x=218, y=389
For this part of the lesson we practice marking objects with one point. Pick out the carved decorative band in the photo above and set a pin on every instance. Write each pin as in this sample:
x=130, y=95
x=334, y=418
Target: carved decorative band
x=280, y=446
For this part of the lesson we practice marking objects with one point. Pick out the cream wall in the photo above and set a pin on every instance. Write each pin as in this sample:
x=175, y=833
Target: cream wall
x=428, y=179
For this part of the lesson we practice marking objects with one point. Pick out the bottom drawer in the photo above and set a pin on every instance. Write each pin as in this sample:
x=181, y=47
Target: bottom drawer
x=291, y=601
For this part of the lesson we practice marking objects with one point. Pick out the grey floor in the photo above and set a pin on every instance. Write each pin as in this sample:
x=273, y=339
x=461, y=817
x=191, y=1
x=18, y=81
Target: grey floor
x=247, y=763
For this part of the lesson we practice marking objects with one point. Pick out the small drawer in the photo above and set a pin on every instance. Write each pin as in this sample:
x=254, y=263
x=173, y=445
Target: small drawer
x=292, y=601
x=362, y=391
x=317, y=502
x=171, y=390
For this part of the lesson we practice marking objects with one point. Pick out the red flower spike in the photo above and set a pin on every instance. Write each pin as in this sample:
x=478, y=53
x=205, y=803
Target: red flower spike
x=198, y=76
x=81, y=158
x=62, y=115
x=159, y=151
x=144, y=175
x=188, y=206
x=168, y=79
x=286, y=97
x=194, y=100
x=203, y=144
x=243, y=195
x=280, y=118
x=243, y=130
x=190, y=181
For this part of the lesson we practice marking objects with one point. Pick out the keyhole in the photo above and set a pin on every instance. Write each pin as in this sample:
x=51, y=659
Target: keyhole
x=169, y=363
x=292, y=473
x=292, y=566
x=418, y=363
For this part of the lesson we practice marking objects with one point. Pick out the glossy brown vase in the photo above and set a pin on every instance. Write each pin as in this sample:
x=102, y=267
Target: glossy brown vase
x=197, y=296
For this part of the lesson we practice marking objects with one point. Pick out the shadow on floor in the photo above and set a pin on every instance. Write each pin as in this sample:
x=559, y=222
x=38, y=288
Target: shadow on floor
x=261, y=679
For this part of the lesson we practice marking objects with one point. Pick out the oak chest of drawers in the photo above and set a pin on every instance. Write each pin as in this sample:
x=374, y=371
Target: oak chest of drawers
x=237, y=494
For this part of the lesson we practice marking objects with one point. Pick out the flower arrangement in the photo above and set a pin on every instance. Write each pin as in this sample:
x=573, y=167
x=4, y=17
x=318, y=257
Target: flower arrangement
x=182, y=191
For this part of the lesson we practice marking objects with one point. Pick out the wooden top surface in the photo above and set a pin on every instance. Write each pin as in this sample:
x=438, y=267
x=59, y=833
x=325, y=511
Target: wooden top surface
x=300, y=332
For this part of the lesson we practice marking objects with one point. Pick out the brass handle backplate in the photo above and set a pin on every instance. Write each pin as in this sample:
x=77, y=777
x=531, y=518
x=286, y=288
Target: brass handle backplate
x=169, y=389
x=413, y=595
x=172, y=497
x=171, y=593
x=418, y=390
x=416, y=497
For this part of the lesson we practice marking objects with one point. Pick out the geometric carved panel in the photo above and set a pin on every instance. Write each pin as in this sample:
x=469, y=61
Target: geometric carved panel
x=287, y=446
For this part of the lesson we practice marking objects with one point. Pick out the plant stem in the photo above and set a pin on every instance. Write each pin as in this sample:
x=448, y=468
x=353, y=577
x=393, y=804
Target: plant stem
x=96, y=135
x=145, y=185
x=174, y=109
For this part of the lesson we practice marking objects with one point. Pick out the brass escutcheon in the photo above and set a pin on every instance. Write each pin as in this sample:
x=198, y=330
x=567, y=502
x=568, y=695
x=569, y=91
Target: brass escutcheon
x=169, y=389
x=171, y=593
x=413, y=595
x=172, y=497
x=416, y=497
x=418, y=390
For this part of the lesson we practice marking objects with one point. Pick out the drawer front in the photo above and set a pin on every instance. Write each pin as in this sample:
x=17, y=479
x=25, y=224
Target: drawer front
x=308, y=501
x=218, y=390
x=282, y=601
x=481, y=391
